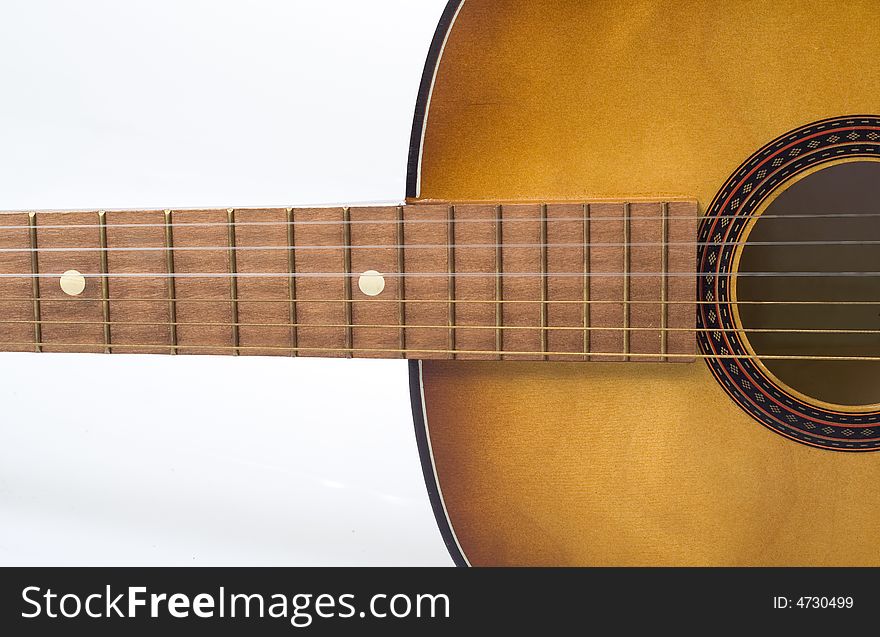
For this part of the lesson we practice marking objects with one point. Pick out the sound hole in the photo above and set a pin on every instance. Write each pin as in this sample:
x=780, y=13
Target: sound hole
x=832, y=206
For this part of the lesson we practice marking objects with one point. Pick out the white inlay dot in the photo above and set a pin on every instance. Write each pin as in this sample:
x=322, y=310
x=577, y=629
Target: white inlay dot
x=371, y=283
x=73, y=283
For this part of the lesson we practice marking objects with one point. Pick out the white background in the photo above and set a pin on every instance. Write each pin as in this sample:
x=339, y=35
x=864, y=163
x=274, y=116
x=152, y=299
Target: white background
x=138, y=460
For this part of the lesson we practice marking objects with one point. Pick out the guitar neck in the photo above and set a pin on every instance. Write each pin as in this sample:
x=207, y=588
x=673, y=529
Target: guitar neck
x=573, y=281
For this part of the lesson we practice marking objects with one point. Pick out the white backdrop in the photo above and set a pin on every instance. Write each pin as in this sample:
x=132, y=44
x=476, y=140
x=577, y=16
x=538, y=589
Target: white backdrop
x=135, y=460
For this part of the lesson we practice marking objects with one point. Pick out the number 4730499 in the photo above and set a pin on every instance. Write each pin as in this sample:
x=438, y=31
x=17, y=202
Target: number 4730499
x=807, y=602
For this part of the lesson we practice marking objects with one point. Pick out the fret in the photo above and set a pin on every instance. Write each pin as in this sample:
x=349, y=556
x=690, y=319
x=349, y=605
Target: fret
x=267, y=324
x=475, y=227
x=233, y=279
x=383, y=308
x=681, y=257
x=35, y=271
x=401, y=288
x=543, y=247
x=499, y=290
x=70, y=325
x=522, y=232
x=25, y=310
x=212, y=258
x=169, y=270
x=346, y=280
x=450, y=264
x=627, y=283
x=664, y=283
x=105, y=291
x=140, y=326
x=320, y=300
x=426, y=288
x=646, y=318
x=565, y=236
x=606, y=283
x=291, y=280
x=586, y=290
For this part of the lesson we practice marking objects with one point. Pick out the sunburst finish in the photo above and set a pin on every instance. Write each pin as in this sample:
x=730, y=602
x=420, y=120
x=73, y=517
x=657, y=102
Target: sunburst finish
x=604, y=464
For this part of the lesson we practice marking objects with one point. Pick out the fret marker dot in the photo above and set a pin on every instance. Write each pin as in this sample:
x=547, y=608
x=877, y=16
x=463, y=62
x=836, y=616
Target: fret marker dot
x=73, y=283
x=371, y=283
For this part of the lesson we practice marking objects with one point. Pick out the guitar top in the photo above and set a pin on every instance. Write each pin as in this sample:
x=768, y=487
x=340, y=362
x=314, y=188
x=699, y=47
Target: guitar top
x=767, y=116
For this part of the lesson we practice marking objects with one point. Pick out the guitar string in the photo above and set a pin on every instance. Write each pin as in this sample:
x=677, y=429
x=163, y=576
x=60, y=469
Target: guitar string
x=444, y=275
x=164, y=300
x=333, y=222
x=448, y=352
x=442, y=246
x=556, y=328
x=509, y=246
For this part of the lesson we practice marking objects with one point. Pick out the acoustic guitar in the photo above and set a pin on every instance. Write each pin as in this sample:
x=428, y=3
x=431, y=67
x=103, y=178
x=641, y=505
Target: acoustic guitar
x=635, y=277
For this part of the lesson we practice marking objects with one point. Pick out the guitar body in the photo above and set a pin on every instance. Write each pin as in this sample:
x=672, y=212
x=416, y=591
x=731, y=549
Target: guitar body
x=632, y=463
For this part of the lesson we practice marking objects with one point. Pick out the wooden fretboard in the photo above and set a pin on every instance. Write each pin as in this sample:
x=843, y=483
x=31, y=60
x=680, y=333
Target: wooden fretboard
x=560, y=281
